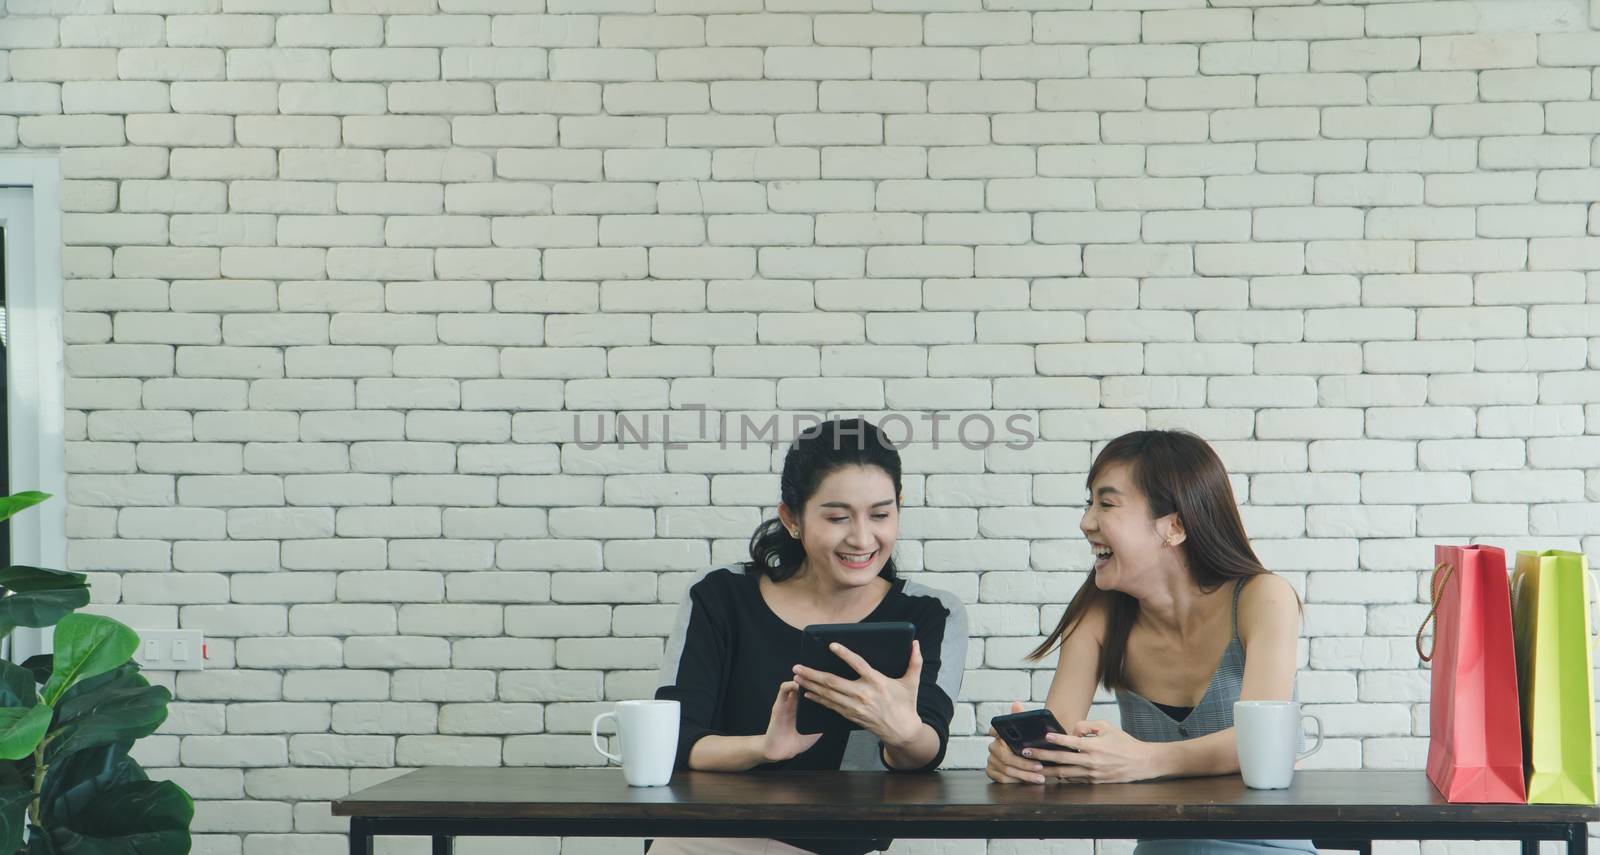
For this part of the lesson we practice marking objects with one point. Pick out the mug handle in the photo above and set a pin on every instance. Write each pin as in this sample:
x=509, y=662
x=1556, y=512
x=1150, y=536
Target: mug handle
x=594, y=734
x=1318, y=746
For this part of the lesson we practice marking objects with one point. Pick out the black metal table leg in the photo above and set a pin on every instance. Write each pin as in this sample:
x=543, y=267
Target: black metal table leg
x=1578, y=839
x=360, y=837
x=443, y=844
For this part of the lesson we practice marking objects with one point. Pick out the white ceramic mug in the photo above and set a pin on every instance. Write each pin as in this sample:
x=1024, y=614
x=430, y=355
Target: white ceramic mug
x=647, y=734
x=1268, y=735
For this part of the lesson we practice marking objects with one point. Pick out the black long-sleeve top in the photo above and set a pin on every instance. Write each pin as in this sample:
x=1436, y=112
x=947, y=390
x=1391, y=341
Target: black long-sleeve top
x=729, y=652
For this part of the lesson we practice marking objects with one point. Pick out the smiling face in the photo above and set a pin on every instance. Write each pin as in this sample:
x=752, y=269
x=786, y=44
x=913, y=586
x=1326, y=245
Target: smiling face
x=1129, y=546
x=849, y=525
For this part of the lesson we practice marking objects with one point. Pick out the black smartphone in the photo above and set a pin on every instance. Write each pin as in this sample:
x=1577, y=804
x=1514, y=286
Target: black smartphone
x=886, y=646
x=1027, y=729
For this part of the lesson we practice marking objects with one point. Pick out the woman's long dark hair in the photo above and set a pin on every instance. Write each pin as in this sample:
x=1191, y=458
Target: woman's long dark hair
x=1178, y=472
x=818, y=452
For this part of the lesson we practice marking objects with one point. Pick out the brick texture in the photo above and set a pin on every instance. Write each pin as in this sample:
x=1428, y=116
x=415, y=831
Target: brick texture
x=353, y=287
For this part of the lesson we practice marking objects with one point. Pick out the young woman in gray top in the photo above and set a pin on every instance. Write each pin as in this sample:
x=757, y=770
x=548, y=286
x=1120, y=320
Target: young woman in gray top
x=1178, y=618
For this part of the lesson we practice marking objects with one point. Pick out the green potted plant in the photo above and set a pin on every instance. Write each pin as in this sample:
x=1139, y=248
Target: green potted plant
x=67, y=722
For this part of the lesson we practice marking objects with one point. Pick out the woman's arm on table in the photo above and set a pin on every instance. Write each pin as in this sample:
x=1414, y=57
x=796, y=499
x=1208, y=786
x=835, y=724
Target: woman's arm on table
x=1071, y=693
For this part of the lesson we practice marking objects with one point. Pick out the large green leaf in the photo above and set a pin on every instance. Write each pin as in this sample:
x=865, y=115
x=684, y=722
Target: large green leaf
x=65, y=841
x=13, y=816
x=10, y=505
x=74, y=782
x=17, y=687
x=21, y=730
x=86, y=645
x=123, y=676
x=137, y=806
x=137, y=818
x=117, y=706
x=21, y=577
x=40, y=608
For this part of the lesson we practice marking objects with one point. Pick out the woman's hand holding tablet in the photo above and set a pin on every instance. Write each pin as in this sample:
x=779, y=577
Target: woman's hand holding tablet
x=863, y=674
x=782, y=740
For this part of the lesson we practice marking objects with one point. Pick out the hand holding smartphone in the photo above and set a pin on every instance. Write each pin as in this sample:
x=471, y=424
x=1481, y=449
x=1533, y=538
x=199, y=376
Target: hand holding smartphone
x=1027, y=729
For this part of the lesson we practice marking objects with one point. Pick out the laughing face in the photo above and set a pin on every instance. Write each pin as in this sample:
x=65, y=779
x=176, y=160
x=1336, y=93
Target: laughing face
x=849, y=525
x=1128, y=545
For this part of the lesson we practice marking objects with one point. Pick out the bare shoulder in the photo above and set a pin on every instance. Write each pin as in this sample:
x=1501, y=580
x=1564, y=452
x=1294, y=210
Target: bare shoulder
x=1268, y=602
x=1092, y=626
x=1267, y=588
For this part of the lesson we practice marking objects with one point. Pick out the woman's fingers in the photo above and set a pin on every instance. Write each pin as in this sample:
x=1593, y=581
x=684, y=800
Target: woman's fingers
x=1000, y=749
x=1091, y=728
x=1022, y=765
x=784, y=708
x=1057, y=758
x=1006, y=763
x=854, y=660
x=1000, y=753
x=830, y=699
x=843, y=691
x=1006, y=774
x=913, y=674
x=999, y=774
x=1023, y=769
x=808, y=678
x=995, y=742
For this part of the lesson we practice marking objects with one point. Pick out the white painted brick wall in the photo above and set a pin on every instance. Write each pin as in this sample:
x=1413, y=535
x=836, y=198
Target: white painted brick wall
x=342, y=273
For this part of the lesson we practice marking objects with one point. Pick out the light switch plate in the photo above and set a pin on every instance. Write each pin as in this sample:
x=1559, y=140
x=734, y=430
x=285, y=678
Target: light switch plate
x=170, y=650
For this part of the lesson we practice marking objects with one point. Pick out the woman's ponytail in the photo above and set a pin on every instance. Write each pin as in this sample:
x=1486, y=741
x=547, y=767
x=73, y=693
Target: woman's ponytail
x=773, y=547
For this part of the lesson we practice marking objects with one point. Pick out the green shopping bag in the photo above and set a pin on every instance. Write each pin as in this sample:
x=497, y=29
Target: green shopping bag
x=1550, y=616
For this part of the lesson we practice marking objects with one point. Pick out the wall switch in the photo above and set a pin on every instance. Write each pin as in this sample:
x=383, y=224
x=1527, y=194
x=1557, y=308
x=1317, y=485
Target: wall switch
x=171, y=650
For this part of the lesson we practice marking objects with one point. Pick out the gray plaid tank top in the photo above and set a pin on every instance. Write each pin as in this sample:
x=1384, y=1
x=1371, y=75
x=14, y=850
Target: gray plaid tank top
x=1142, y=720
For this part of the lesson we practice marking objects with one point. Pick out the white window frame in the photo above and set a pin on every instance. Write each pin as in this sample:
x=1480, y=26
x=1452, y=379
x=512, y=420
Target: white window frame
x=36, y=367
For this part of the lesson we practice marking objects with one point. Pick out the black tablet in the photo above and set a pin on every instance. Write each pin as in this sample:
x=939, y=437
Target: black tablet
x=886, y=646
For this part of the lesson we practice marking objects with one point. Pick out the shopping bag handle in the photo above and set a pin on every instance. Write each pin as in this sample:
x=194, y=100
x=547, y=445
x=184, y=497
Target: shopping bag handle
x=1435, y=590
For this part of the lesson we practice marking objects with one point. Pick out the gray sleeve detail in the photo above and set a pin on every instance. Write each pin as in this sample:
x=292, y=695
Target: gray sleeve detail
x=672, y=656
x=953, y=650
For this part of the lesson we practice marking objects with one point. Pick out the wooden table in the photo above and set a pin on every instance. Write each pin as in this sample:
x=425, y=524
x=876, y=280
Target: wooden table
x=445, y=803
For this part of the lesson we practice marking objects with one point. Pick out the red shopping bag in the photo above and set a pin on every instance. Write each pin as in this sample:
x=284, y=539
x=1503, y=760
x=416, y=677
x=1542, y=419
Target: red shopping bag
x=1475, y=738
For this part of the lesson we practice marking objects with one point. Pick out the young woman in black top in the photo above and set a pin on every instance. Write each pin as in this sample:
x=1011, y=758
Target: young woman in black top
x=826, y=558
